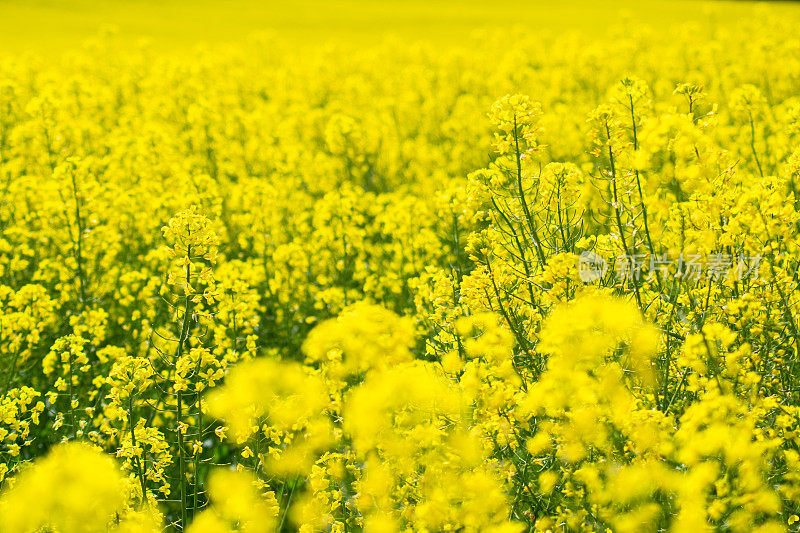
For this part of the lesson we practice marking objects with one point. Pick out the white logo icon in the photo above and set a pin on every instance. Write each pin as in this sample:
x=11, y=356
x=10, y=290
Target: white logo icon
x=591, y=267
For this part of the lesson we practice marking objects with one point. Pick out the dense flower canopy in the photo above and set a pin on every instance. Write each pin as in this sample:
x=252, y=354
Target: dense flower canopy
x=508, y=284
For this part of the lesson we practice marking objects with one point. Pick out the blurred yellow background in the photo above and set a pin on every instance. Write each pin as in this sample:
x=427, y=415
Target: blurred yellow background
x=48, y=26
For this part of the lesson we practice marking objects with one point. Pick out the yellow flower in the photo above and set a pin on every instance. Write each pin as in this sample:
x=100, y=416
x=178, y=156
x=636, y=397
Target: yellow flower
x=90, y=490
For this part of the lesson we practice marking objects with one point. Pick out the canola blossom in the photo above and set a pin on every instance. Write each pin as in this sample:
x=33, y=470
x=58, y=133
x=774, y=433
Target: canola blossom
x=506, y=284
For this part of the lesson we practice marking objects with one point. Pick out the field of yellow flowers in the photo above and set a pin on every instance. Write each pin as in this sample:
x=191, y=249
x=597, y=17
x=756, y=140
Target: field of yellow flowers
x=518, y=281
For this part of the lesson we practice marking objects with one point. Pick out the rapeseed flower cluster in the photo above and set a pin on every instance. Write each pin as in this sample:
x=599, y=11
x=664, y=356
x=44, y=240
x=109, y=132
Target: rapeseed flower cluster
x=511, y=284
